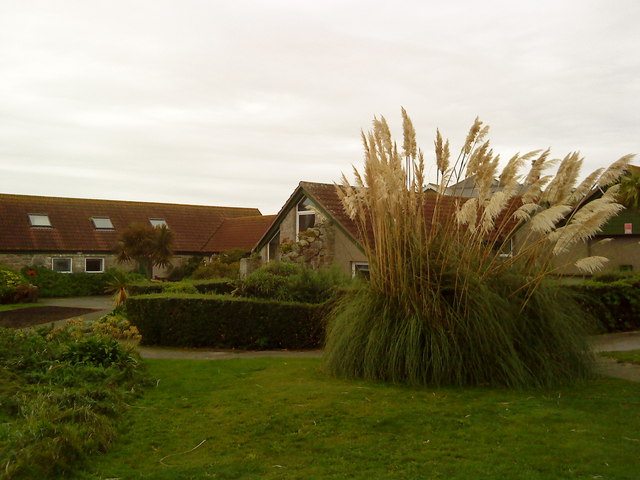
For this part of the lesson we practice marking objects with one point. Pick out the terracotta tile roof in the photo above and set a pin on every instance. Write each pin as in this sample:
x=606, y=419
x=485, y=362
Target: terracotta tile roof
x=325, y=195
x=239, y=232
x=73, y=230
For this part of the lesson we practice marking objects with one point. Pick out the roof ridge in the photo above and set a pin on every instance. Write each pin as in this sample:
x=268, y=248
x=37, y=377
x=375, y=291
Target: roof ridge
x=101, y=200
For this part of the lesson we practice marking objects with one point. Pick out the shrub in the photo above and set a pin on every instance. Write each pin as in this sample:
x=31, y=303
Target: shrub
x=446, y=304
x=616, y=305
x=179, y=287
x=292, y=282
x=218, y=286
x=55, y=284
x=226, y=322
x=59, y=398
x=9, y=278
x=186, y=269
x=216, y=269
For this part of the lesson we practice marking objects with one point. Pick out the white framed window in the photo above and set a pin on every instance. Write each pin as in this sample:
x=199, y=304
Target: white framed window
x=94, y=265
x=158, y=222
x=62, y=265
x=305, y=216
x=360, y=269
x=39, y=220
x=102, y=223
x=273, y=247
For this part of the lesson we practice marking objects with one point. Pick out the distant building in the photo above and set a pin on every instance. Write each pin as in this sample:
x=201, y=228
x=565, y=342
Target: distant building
x=79, y=235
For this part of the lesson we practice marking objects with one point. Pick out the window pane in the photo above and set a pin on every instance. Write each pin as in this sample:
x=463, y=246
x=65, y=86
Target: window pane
x=62, y=265
x=304, y=205
x=102, y=223
x=93, y=265
x=157, y=222
x=306, y=221
x=39, y=220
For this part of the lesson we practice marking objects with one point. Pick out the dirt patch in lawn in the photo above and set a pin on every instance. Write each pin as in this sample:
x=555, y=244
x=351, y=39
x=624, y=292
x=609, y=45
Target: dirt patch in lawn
x=27, y=317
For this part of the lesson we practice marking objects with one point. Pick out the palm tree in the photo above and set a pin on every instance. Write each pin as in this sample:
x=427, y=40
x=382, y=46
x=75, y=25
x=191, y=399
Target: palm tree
x=146, y=245
x=629, y=193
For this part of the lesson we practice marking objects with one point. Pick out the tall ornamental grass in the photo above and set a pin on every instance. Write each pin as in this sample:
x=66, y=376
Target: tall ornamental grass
x=459, y=291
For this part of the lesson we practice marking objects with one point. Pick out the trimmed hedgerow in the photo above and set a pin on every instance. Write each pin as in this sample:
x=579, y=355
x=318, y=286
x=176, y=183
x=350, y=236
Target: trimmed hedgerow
x=616, y=305
x=218, y=286
x=226, y=322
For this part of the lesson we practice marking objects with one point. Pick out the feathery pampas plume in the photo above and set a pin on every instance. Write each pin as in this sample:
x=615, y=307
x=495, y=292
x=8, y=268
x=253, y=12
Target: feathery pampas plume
x=457, y=291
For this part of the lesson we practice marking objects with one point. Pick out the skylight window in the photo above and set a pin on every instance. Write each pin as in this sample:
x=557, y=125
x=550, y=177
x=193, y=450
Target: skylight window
x=158, y=222
x=39, y=220
x=102, y=223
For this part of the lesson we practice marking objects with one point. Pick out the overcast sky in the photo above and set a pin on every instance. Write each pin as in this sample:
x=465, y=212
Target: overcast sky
x=234, y=102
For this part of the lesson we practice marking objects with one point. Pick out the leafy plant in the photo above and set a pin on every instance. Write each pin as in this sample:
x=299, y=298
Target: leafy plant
x=445, y=304
x=55, y=284
x=60, y=394
x=146, y=245
x=292, y=282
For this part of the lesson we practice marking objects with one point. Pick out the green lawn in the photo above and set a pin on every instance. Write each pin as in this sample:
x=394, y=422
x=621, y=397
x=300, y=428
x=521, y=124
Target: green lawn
x=283, y=419
x=631, y=356
x=16, y=306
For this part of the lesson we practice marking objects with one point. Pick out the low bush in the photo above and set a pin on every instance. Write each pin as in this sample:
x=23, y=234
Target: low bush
x=54, y=284
x=185, y=270
x=10, y=282
x=219, y=286
x=216, y=269
x=616, y=305
x=226, y=322
x=9, y=278
x=179, y=287
x=60, y=393
x=292, y=282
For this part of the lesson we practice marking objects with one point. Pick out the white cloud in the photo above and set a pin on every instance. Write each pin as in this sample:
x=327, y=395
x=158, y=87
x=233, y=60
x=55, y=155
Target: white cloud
x=233, y=103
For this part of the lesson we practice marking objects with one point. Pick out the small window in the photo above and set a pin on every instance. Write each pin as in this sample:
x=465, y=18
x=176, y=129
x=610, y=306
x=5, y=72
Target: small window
x=39, y=220
x=94, y=265
x=102, y=223
x=360, y=270
x=273, y=249
x=306, y=217
x=158, y=222
x=61, y=265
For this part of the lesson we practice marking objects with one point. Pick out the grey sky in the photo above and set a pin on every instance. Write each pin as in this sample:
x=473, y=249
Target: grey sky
x=233, y=103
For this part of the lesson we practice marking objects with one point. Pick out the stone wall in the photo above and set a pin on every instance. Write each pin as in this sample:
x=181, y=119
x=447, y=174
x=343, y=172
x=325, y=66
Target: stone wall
x=315, y=246
x=17, y=261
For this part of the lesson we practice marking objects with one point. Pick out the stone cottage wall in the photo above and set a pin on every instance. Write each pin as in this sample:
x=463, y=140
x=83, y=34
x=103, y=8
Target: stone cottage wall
x=315, y=246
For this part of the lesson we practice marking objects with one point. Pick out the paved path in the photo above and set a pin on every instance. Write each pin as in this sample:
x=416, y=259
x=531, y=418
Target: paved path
x=103, y=304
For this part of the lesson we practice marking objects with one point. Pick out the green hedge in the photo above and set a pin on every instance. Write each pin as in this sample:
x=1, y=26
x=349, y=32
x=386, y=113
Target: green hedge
x=616, y=305
x=218, y=286
x=226, y=322
x=54, y=284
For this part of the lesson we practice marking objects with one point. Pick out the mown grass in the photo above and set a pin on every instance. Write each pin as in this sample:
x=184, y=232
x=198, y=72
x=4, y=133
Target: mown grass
x=17, y=306
x=631, y=356
x=285, y=419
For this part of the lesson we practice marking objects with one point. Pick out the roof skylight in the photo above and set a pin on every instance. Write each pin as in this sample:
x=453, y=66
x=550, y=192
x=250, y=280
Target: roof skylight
x=102, y=223
x=158, y=222
x=39, y=220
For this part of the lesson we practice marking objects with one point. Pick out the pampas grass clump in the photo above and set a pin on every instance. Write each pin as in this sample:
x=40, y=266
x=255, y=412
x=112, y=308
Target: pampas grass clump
x=459, y=291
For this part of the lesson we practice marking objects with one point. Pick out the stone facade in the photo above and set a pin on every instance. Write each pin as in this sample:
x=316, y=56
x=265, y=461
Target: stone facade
x=315, y=246
x=17, y=261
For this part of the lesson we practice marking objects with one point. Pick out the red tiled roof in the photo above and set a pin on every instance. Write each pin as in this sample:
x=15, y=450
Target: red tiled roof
x=240, y=232
x=327, y=197
x=73, y=230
